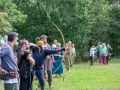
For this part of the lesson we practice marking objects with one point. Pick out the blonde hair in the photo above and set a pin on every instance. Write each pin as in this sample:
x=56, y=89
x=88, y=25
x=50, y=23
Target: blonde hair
x=43, y=36
x=58, y=44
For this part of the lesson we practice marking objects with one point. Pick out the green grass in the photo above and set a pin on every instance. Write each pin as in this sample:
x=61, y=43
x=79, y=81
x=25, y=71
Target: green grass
x=84, y=77
x=1, y=86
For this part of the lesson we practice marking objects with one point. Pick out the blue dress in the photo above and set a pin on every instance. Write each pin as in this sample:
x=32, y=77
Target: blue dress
x=58, y=64
x=98, y=56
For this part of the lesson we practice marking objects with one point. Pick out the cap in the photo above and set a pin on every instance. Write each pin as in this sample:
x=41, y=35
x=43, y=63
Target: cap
x=40, y=42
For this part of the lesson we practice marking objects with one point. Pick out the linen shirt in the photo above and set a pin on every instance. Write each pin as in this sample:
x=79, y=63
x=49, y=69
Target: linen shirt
x=8, y=61
x=92, y=51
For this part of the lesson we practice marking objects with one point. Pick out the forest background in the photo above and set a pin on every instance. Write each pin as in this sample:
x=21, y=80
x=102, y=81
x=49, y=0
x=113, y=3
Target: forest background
x=84, y=22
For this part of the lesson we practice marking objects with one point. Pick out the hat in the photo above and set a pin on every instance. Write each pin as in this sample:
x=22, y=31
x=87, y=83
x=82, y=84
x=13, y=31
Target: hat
x=40, y=42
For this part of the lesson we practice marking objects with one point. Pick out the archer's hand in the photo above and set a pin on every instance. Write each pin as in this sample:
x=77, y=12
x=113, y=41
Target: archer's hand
x=48, y=57
x=62, y=49
x=2, y=71
x=42, y=67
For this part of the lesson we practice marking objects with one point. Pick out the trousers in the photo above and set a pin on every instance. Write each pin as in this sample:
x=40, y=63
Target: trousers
x=39, y=72
x=13, y=86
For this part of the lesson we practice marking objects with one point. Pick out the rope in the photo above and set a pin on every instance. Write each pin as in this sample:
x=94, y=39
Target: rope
x=57, y=68
x=66, y=78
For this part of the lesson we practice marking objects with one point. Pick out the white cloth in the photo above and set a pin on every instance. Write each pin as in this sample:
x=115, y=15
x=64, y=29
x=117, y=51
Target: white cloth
x=11, y=81
x=1, y=81
x=53, y=46
x=92, y=52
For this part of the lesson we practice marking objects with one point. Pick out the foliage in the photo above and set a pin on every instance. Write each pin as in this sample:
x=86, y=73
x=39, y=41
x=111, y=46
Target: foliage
x=5, y=26
x=84, y=22
x=9, y=15
x=101, y=23
x=72, y=17
x=114, y=33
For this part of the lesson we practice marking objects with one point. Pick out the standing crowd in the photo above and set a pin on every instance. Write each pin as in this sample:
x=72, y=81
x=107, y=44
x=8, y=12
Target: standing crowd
x=34, y=61
x=102, y=52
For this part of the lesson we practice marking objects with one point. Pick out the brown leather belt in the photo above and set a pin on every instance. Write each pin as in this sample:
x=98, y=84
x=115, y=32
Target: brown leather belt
x=12, y=74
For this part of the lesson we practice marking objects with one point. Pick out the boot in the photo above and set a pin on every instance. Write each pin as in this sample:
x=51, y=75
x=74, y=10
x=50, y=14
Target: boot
x=50, y=85
x=42, y=87
x=46, y=77
x=39, y=87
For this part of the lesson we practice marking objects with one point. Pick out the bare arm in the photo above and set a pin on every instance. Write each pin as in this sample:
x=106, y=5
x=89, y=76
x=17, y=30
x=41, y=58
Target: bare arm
x=32, y=61
x=2, y=71
x=48, y=57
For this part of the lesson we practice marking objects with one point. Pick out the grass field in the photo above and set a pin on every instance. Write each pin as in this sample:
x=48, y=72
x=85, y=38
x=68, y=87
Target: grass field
x=84, y=77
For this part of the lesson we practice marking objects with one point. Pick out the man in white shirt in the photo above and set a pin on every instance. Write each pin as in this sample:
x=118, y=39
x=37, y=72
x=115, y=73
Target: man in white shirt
x=54, y=44
x=92, y=52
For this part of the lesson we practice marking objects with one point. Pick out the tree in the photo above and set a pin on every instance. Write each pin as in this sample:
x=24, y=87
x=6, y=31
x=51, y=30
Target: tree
x=71, y=16
x=5, y=26
x=84, y=22
x=9, y=16
x=101, y=12
x=114, y=33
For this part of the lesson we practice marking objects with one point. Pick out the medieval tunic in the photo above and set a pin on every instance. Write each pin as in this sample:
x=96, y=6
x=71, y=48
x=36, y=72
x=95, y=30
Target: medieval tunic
x=48, y=64
x=68, y=58
x=73, y=55
x=25, y=72
x=58, y=64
